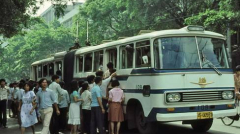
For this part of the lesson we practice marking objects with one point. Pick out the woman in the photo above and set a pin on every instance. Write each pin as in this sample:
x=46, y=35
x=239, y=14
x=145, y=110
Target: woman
x=74, y=110
x=116, y=97
x=27, y=108
x=237, y=80
x=86, y=107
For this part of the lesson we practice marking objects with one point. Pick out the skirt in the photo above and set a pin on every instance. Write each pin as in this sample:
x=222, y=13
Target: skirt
x=74, y=114
x=28, y=119
x=115, y=112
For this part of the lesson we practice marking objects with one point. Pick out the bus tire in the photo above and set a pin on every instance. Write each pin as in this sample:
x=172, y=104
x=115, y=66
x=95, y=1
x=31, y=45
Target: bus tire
x=202, y=125
x=143, y=126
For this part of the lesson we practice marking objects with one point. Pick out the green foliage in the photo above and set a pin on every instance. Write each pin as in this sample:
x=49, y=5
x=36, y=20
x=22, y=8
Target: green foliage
x=38, y=43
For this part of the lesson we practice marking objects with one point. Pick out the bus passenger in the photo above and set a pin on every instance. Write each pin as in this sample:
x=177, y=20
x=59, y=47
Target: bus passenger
x=110, y=68
x=86, y=107
x=237, y=81
x=115, y=115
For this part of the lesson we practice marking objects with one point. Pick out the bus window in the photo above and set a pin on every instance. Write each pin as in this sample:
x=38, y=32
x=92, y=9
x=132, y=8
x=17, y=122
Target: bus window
x=40, y=71
x=80, y=63
x=98, y=60
x=45, y=72
x=113, y=56
x=51, y=69
x=59, y=65
x=143, y=54
x=126, y=60
x=88, y=63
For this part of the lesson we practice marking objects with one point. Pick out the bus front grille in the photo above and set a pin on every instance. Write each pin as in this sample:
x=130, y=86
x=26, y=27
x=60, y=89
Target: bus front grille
x=201, y=96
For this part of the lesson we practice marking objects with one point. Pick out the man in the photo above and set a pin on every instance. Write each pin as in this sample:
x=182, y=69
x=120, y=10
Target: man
x=104, y=87
x=63, y=107
x=14, y=97
x=110, y=68
x=45, y=99
x=10, y=100
x=56, y=88
x=97, y=109
x=3, y=103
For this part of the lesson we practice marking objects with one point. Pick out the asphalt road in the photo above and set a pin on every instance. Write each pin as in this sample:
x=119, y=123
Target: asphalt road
x=167, y=128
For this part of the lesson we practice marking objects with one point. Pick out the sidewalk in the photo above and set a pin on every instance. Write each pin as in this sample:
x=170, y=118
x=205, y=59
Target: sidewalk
x=13, y=128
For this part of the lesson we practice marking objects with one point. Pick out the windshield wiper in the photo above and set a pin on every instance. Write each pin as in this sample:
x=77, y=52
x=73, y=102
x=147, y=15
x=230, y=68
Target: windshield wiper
x=210, y=64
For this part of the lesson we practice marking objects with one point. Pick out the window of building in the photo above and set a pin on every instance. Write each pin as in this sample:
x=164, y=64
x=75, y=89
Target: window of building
x=51, y=69
x=80, y=63
x=98, y=60
x=112, y=56
x=45, y=70
x=126, y=60
x=88, y=63
x=143, y=54
x=40, y=71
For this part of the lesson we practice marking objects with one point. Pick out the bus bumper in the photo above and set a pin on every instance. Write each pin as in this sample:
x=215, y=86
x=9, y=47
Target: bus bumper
x=193, y=115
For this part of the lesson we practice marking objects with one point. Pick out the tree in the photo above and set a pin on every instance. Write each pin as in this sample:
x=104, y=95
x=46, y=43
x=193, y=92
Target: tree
x=16, y=14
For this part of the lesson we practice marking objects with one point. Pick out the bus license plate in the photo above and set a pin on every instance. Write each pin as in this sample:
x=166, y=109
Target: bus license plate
x=204, y=115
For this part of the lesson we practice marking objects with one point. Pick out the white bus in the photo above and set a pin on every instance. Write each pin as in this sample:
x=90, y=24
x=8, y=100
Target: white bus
x=170, y=75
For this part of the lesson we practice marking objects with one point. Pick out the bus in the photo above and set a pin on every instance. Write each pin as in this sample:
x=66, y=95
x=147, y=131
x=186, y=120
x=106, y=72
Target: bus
x=169, y=75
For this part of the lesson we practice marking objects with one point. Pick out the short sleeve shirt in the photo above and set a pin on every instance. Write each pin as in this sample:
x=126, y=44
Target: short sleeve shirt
x=96, y=93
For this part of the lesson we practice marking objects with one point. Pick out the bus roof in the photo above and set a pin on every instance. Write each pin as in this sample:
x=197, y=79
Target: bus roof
x=47, y=60
x=164, y=33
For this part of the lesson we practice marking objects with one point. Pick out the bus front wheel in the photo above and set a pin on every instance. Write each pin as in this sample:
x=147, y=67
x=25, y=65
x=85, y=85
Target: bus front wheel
x=202, y=125
x=144, y=127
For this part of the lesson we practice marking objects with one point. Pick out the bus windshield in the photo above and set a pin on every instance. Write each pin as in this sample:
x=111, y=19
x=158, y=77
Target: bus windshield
x=189, y=52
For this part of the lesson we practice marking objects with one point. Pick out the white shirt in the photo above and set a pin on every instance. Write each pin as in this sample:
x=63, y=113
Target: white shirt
x=3, y=93
x=56, y=88
x=18, y=94
x=87, y=97
x=104, y=86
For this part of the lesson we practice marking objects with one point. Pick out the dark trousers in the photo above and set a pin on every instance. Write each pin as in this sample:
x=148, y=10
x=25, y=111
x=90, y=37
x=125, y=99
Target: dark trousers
x=86, y=120
x=54, y=124
x=63, y=118
x=3, y=112
x=96, y=120
x=105, y=116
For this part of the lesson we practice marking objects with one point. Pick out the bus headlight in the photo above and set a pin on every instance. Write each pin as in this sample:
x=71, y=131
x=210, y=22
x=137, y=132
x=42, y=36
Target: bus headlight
x=226, y=95
x=173, y=97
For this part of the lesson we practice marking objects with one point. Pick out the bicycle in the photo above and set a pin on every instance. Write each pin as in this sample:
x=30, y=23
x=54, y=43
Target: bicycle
x=228, y=120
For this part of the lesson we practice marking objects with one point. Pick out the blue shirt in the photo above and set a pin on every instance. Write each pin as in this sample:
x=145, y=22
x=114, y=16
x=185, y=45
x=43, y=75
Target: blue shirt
x=96, y=92
x=75, y=94
x=65, y=99
x=45, y=99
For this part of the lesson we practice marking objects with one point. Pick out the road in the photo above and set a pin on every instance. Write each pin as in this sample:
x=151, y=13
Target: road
x=167, y=128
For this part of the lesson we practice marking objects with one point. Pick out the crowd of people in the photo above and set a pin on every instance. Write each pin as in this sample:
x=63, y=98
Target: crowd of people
x=87, y=106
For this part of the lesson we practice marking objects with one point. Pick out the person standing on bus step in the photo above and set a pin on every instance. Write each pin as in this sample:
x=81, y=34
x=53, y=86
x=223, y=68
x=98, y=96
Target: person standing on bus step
x=104, y=87
x=86, y=107
x=56, y=88
x=3, y=103
x=45, y=99
x=74, y=110
x=115, y=115
x=63, y=107
x=237, y=81
x=97, y=109
x=27, y=108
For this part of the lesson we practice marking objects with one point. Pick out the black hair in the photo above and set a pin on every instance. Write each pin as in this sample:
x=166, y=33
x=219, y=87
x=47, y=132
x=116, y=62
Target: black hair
x=90, y=79
x=21, y=85
x=22, y=81
x=110, y=65
x=41, y=81
x=80, y=83
x=2, y=80
x=99, y=73
x=11, y=85
x=54, y=77
x=84, y=86
x=62, y=84
x=74, y=86
x=237, y=68
x=98, y=79
x=29, y=84
x=115, y=83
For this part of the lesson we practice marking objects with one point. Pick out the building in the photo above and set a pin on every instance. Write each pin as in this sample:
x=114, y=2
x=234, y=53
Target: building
x=70, y=11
